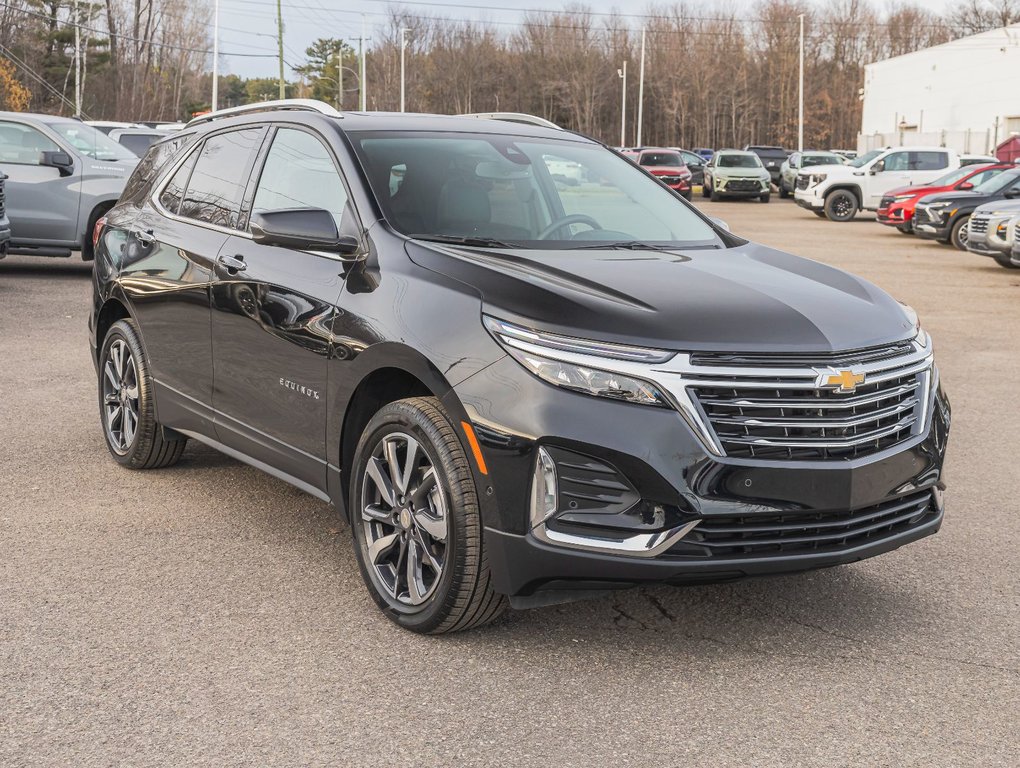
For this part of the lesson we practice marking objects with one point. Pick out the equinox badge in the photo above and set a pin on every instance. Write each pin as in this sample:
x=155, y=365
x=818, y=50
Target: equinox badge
x=843, y=381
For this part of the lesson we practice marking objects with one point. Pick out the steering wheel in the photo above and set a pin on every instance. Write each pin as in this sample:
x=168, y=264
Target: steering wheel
x=574, y=218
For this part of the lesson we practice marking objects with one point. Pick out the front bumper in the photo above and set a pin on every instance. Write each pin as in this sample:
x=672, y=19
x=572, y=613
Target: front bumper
x=666, y=464
x=742, y=187
x=895, y=216
x=809, y=198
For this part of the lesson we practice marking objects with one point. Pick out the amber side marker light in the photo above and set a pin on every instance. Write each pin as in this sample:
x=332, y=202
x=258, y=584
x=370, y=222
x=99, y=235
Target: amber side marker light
x=475, y=448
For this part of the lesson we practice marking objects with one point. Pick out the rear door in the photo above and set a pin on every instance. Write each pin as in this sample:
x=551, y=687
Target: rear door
x=273, y=311
x=42, y=204
x=928, y=165
x=167, y=270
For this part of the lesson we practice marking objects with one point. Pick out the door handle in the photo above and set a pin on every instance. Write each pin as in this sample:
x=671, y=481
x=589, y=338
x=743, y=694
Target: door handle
x=145, y=237
x=233, y=263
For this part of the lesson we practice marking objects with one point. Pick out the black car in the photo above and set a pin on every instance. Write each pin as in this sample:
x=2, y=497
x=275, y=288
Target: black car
x=5, y=223
x=771, y=157
x=520, y=391
x=945, y=216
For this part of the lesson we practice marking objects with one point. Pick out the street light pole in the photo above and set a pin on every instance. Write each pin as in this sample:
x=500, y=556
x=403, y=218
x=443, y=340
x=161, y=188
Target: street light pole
x=403, y=49
x=279, y=23
x=641, y=89
x=362, y=97
x=800, y=112
x=623, y=105
x=216, y=57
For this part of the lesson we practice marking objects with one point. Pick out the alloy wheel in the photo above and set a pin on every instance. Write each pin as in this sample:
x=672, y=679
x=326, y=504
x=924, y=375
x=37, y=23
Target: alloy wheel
x=405, y=516
x=120, y=396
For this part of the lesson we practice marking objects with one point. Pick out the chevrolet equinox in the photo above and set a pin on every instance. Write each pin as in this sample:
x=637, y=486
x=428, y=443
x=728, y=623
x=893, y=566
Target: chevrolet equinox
x=520, y=389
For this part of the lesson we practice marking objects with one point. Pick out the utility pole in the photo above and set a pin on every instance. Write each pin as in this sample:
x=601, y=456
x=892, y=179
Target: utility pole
x=800, y=112
x=77, y=61
x=623, y=105
x=403, y=49
x=641, y=89
x=216, y=57
x=279, y=24
x=362, y=100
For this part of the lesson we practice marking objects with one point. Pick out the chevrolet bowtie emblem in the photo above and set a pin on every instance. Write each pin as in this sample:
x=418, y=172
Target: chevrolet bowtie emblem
x=843, y=381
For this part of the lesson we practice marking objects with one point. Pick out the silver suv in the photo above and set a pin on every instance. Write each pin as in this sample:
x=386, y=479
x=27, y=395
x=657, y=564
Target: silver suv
x=63, y=175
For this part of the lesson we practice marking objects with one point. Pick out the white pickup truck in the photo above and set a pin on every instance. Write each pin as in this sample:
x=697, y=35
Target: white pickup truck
x=838, y=192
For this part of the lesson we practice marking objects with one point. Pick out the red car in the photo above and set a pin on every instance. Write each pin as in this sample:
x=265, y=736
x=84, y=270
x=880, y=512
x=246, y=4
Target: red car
x=667, y=165
x=897, y=206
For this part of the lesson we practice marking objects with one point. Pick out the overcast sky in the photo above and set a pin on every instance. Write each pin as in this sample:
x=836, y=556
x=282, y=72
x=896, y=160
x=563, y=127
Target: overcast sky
x=249, y=26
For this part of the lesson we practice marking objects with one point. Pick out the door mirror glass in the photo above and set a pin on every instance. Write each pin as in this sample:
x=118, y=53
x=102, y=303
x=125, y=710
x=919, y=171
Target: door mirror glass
x=878, y=167
x=59, y=160
x=302, y=229
x=1012, y=193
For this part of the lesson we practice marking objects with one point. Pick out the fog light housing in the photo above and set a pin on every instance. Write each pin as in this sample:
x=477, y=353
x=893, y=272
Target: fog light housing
x=544, y=494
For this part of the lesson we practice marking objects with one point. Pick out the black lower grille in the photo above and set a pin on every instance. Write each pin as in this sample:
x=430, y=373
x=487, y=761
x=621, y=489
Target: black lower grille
x=806, y=531
x=743, y=185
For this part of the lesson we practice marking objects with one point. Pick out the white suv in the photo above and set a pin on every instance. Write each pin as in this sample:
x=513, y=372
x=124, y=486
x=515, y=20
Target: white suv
x=837, y=192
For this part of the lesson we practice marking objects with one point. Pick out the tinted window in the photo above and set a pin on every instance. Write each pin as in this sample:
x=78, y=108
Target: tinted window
x=670, y=159
x=149, y=167
x=92, y=143
x=299, y=173
x=739, y=161
x=22, y=145
x=982, y=176
x=897, y=161
x=221, y=174
x=173, y=192
x=928, y=161
x=138, y=143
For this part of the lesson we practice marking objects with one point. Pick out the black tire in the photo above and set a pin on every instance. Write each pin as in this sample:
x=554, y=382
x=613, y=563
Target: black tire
x=460, y=595
x=766, y=197
x=705, y=191
x=819, y=214
x=841, y=205
x=783, y=194
x=1002, y=259
x=959, y=234
x=714, y=196
x=905, y=229
x=146, y=446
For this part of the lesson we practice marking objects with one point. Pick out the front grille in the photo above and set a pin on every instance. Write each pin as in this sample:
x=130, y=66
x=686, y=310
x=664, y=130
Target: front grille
x=978, y=225
x=923, y=215
x=743, y=185
x=802, y=182
x=776, y=409
x=671, y=179
x=806, y=532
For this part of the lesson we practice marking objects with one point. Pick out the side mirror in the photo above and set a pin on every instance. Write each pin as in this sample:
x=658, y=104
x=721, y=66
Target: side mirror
x=719, y=223
x=1012, y=194
x=878, y=167
x=58, y=159
x=303, y=229
x=966, y=185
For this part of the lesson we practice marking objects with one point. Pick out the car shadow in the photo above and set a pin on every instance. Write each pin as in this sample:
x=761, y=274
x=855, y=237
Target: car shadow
x=39, y=266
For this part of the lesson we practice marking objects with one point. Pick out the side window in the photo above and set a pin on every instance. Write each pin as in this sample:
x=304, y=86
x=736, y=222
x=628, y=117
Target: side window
x=23, y=145
x=299, y=172
x=148, y=168
x=795, y=160
x=897, y=161
x=928, y=161
x=220, y=176
x=982, y=176
x=173, y=192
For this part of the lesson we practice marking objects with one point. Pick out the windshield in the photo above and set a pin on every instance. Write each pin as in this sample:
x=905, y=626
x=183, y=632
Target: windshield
x=739, y=161
x=91, y=142
x=951, y=178
x=862, y=160
x=810, y=160
x=521, y=192
x=671, y=159
x=997, y=183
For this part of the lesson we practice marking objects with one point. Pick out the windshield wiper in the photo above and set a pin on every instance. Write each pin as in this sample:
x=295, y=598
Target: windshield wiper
x=623, y=245
x=478, y=242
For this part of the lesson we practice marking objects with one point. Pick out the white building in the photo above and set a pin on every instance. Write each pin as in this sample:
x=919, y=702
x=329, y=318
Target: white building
x=964, y=94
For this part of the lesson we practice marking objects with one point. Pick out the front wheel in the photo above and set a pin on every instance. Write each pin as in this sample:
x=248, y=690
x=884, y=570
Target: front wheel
x=961, y=233
x=840, y=205
x=126, y=404
x=766, y=197
x=783, y=194
x=1003, y=260
x=416, y=523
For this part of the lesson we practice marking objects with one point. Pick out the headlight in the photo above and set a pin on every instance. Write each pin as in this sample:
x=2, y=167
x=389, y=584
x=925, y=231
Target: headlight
x=1002, y=229
x=903, y=198
x=548, y=357
x=939, y=204
x=817, y=178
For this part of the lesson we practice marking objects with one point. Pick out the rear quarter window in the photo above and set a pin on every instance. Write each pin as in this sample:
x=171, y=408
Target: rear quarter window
x=149, y=167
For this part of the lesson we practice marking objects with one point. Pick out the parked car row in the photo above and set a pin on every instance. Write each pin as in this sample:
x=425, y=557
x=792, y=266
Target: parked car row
x=993, y=231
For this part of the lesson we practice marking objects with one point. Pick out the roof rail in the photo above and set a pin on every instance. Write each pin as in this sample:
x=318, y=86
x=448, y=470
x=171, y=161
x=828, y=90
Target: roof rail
x=304, y=105
x=515, y=117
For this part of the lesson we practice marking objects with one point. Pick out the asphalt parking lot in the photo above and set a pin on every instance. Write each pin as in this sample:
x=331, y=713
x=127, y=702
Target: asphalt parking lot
x=211, y=615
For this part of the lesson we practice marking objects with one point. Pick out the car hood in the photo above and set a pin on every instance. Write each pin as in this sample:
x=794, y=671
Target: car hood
x=919, y=190
x=999, y=205
x=964, y=197
x=742, y=173
x=846, y=170
x=738, y=299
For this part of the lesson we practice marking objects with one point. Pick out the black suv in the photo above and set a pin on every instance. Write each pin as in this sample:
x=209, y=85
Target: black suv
x=519, y=390
x=945, y=216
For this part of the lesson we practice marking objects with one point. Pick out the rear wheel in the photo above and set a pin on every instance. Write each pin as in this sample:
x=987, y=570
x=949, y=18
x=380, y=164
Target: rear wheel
x=961, y=233
x=783, y=193
x=905, y=229
x=126, y=405
x=841, y=205
x=416, y=523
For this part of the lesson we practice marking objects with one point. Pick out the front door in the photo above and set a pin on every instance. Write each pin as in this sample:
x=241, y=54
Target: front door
x=41, y=203
x=273, y=311
x=893, y=172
